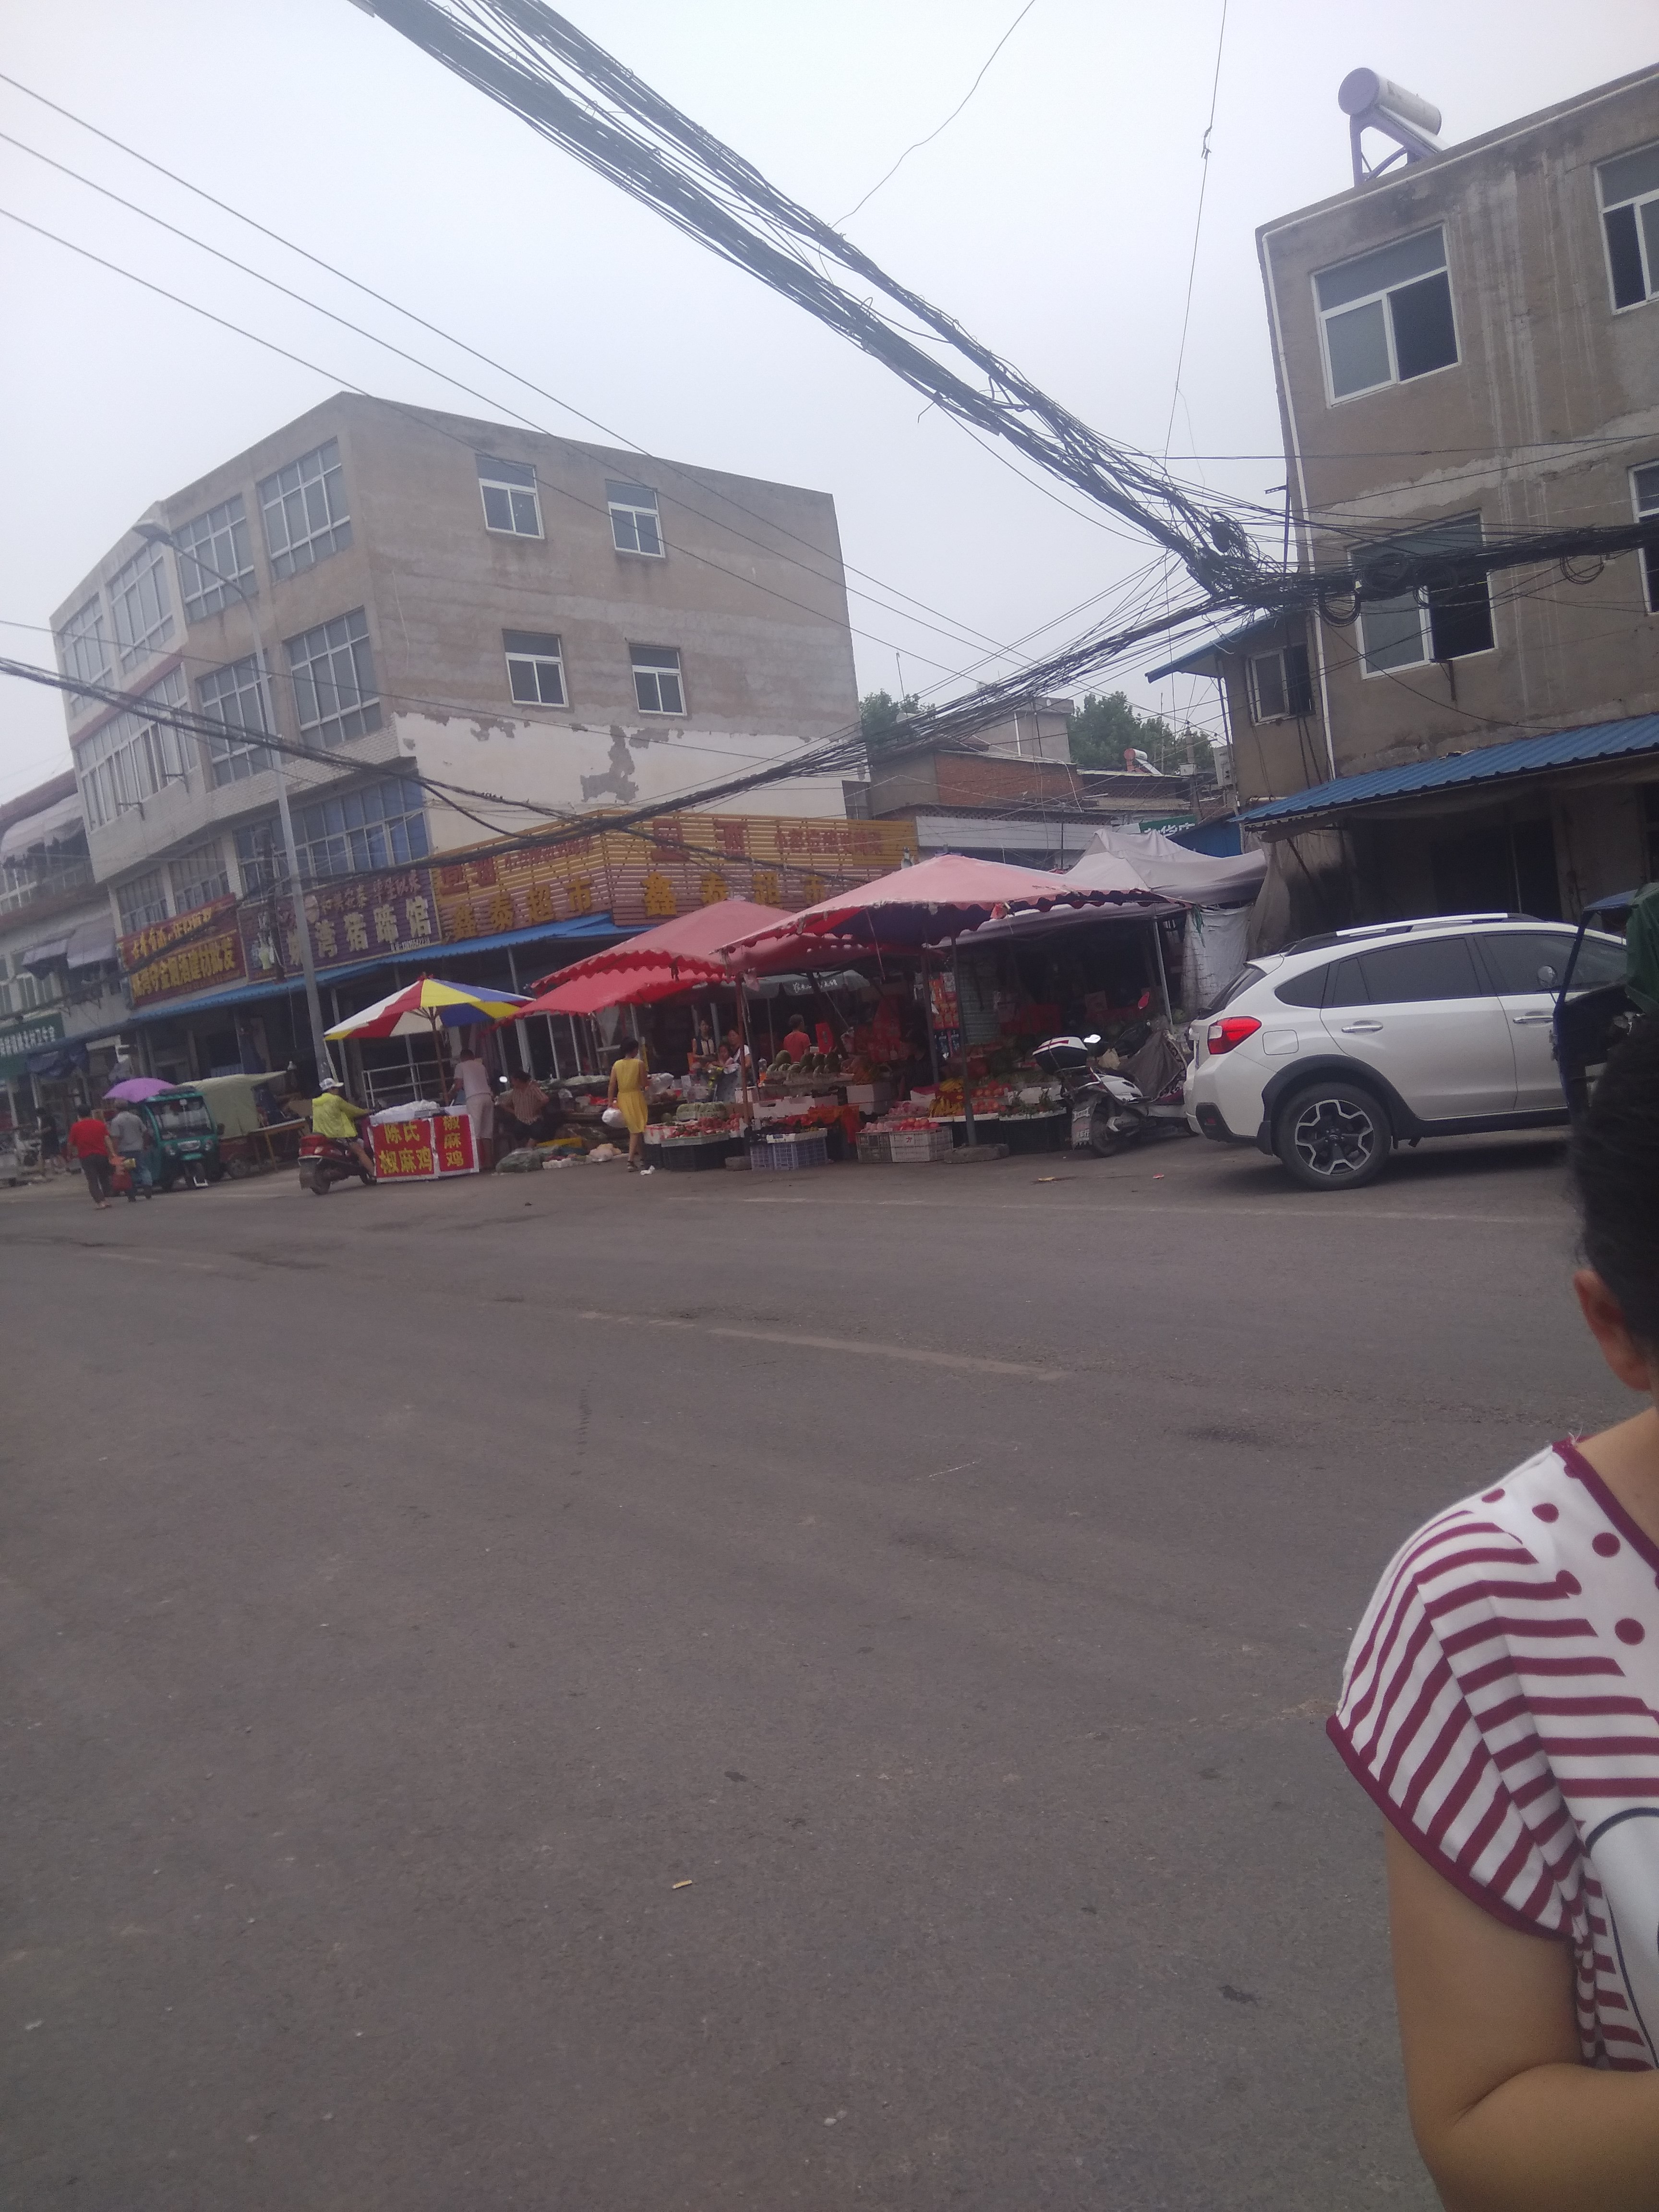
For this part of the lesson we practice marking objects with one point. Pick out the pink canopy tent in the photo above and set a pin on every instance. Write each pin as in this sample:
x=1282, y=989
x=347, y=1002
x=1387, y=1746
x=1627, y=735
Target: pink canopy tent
x=932, y=903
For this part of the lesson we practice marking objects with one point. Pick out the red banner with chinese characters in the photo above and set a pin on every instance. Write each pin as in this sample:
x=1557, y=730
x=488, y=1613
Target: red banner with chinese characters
x=420, y=1152
x=192, y=951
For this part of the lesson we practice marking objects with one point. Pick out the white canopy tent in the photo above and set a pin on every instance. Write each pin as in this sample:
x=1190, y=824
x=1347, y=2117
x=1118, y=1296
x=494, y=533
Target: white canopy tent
x=1157, y=863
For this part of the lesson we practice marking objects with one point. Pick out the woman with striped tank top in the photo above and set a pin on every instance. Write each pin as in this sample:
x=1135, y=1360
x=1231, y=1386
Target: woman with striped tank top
x=1501, y=1705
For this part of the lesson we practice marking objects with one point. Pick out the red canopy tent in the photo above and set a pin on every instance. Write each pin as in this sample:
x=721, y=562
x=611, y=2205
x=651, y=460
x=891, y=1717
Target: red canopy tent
x=674, y=957
x=679, y=956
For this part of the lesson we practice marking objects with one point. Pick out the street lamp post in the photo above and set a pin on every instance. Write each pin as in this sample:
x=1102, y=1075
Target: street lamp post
x=157, y=536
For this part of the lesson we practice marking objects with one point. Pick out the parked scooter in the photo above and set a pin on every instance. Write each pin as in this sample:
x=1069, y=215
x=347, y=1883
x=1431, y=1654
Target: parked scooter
x=1109, y=1112
x=324, y=1161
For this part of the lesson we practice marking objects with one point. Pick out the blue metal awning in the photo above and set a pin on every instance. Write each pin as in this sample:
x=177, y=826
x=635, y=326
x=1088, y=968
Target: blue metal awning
x=580, y=926
x=1562, y=748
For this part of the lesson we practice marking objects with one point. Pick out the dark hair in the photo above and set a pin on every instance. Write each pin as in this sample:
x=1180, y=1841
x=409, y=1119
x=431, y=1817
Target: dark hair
x=1615, y=1166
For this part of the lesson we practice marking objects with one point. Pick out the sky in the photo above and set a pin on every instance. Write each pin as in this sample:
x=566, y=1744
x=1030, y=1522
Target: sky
x=1055, y=217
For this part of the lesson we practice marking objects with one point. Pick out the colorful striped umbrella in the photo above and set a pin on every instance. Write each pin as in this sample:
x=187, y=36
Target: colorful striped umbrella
x=423, y=1009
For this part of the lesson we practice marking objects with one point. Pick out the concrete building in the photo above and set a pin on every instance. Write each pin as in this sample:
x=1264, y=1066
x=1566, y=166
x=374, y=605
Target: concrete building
x=1013, y=792
x=61, y=1002
x=1467, y=349
x=560, y=626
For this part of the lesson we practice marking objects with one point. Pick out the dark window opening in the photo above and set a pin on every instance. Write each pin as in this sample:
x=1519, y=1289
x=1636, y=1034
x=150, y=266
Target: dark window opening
x=1424, y=337
x=1630, y=281
x=1460, y=619
x=1508, y=868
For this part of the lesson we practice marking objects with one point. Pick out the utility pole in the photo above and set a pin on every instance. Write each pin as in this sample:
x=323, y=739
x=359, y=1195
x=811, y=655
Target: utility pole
x=157, y=536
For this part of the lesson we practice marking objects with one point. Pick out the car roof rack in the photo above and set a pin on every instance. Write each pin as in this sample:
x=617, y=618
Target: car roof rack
x=1374, y=929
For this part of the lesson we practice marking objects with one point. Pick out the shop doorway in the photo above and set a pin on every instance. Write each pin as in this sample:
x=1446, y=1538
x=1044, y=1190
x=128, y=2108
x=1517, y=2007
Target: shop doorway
x=1507, y=869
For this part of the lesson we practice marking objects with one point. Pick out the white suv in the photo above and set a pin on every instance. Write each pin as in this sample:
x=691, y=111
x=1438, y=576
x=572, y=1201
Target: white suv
x=1330, y=1054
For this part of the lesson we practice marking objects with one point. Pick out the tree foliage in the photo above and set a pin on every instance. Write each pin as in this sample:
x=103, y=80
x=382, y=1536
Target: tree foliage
x=880, y=714
x=1103, y=729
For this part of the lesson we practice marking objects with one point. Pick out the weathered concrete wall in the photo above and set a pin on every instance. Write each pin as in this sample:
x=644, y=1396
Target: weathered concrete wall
x=750, y=593
x=1554, y=399
x=575, y=767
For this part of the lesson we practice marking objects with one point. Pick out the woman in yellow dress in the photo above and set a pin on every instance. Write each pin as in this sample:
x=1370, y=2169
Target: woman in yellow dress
x=628, y=1095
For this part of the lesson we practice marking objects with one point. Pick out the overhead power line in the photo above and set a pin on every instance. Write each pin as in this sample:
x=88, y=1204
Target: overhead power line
x=948, y=121
x=532, y=60
x=538, y=64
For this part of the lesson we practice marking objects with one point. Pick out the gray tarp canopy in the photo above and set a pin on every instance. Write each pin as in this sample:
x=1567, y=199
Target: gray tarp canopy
x=1193, y=878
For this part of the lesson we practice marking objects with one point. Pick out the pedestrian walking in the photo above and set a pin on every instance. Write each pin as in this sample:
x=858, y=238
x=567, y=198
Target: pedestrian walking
x=131, y=1140
x=1501, y=1706
x=90, y=1142
x=627, y=1094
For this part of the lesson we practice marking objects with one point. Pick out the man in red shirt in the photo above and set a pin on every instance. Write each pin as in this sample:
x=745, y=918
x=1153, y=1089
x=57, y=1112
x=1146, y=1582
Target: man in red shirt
x=796, y=1043
x=89, y=1142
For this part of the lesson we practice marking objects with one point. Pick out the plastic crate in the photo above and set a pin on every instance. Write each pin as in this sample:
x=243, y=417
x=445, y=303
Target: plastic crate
x=1034, y=1132
x=778, y=1155
x=875, y=1149
x=919, y=1144
x=683, y=1157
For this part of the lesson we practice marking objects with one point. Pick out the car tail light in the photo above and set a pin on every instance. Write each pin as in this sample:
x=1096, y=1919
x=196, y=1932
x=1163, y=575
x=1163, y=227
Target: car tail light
x=1230, y=1029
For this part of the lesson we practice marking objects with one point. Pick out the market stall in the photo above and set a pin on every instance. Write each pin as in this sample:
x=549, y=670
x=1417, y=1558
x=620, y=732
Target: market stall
x=422, y=1141
x=927, y=910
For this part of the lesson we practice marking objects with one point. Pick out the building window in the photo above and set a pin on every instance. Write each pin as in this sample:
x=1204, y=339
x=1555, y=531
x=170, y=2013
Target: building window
x=132, y=755
x=198, y=876
x=85, y=650
x=1387, y=317
x=634, y=519
x=1645, y=485
x=235, y=696
x=657, y=685
x=139, y=604
x=1630, y=218
x=304, y=506
x=383, y=826
x=333, y=677
x=1434, y=622
x=215, y=546
x=535, y=667
x=260, y=860
x=1278, y=685
x=508, y=491
x=143, y=902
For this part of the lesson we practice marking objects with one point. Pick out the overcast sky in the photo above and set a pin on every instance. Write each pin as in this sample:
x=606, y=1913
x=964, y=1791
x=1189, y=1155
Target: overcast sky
x=1054, y=218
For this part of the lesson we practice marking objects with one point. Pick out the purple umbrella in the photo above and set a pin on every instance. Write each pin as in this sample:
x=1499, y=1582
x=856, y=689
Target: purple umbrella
x=137, y=1087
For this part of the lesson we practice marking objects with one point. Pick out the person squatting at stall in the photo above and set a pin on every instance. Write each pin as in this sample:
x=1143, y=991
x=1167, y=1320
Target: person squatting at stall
x=627, y=1094
x=1501, y=1708
x=90, y=1142
x=334, y=1114
x=527, y=1111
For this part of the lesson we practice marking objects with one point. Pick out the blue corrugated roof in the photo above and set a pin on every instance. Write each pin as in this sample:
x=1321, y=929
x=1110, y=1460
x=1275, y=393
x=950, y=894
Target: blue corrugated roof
x=578, y=925
x=1597, y=741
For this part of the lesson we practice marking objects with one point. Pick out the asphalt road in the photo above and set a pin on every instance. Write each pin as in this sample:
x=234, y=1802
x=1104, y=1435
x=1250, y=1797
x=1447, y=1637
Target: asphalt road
x=579, y=1692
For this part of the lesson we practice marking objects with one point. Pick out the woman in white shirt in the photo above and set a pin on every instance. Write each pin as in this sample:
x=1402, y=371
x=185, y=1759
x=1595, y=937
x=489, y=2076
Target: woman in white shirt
x=473, y=1095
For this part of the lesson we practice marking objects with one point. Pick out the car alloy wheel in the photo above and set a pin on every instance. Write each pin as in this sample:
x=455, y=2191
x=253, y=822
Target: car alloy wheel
x=1334, y=1140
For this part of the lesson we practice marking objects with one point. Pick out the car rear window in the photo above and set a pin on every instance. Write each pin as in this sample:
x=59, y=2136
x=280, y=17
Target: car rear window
x=1424, y=969
x=1241, y=982
x=1307, y=989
